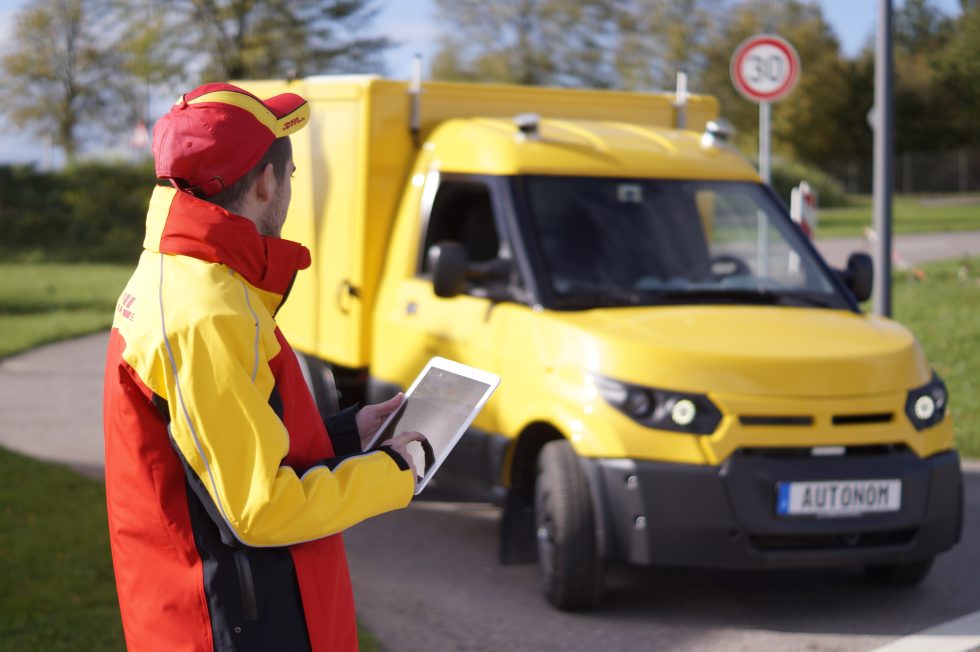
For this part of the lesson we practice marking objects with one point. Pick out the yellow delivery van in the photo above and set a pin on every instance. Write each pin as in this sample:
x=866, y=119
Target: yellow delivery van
x=685, y=381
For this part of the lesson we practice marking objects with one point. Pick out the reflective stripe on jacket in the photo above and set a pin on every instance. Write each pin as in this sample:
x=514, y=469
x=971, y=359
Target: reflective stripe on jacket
x=225, y=493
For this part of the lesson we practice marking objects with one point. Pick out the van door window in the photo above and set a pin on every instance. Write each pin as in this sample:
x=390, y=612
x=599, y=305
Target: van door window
x=462, y=212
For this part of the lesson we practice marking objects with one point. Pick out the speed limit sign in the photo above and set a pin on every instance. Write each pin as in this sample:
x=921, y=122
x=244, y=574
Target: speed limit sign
x=765, y=68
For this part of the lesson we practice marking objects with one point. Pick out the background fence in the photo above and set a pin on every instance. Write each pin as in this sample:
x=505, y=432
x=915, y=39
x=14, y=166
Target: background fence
x=951, y=171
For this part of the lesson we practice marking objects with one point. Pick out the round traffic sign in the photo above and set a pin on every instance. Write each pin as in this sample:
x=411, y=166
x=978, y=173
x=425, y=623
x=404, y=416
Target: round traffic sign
x=765, y=68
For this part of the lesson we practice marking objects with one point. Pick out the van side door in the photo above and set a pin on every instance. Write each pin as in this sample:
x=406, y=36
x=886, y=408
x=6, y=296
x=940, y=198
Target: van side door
x=468, y=328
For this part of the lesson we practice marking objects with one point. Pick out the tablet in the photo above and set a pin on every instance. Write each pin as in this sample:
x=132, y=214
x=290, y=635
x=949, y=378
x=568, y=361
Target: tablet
x=440, y=404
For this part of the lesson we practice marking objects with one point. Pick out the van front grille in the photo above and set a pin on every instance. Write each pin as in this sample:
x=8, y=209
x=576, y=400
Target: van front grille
x=761, y=420
x=832, y=541
x=862, y=419
x=807, y=451
x=764, y=420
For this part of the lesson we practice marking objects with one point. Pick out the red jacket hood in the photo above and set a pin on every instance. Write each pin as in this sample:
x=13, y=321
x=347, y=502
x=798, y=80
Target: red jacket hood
x=179, y=223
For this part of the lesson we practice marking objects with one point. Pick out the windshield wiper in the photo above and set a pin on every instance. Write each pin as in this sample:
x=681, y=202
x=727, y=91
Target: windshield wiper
x=608, y=297
x=807, y=299
x=732, y=295
x=710, y=295
x=615, y=296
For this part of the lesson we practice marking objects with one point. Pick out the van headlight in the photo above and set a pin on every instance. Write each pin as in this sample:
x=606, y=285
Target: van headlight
x=661, y=408
x=926, y=405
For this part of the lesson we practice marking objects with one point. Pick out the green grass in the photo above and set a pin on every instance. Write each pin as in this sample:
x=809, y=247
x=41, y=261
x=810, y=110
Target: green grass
x=56, y=584
x=911, y=214
x=57, y=591
x=943, y=310
x=42, y=303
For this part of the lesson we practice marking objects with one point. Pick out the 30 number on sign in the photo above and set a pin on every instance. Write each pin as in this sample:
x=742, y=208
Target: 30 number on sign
x=766, y=70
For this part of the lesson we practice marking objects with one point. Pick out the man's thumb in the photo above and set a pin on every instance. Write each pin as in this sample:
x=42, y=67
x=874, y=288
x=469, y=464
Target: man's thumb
x=393, y=402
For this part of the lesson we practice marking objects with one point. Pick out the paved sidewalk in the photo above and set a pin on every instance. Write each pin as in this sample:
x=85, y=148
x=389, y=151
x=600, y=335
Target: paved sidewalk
x=912, y=249
x=51, y=403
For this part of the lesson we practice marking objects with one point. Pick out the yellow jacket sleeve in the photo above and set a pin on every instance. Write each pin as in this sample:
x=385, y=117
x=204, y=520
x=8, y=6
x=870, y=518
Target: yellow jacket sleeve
x=233, y=444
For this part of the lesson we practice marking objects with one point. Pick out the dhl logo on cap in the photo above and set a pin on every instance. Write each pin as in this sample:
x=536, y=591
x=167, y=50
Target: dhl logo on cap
x=280, y=125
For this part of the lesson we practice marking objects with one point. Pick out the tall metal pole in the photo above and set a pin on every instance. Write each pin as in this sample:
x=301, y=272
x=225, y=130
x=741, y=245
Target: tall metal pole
x=765, y=150
x=881, y=294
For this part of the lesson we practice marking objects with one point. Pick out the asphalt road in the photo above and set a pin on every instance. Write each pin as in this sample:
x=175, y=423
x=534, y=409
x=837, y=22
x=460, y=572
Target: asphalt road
x=427, y=579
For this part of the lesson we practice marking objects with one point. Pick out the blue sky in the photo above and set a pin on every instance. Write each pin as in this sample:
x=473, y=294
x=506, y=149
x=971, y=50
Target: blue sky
x=414, y=25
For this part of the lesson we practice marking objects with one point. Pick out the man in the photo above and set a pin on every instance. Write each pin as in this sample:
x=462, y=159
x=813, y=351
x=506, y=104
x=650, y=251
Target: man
x=225, y=490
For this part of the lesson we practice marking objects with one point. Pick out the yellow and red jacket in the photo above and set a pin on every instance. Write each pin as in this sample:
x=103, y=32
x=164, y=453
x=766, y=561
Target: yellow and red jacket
x=225, y=491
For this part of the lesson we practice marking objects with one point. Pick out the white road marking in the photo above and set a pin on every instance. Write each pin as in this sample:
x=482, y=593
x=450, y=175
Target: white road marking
x=959, y=635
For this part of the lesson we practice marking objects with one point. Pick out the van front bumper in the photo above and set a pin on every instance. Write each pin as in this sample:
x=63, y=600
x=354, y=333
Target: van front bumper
x=655, y=513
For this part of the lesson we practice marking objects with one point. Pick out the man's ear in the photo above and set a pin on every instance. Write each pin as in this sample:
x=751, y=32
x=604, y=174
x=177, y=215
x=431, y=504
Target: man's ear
x=265, y=184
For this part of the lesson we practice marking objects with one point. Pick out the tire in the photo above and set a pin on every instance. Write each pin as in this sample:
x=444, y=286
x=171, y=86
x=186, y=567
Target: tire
x=319, y=378
x=571, y=571
x=907, y=573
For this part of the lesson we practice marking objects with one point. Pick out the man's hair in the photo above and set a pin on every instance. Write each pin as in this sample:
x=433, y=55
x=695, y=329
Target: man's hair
x=280, y=153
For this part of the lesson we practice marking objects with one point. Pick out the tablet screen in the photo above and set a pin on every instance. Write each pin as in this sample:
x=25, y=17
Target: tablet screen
x=440, y=407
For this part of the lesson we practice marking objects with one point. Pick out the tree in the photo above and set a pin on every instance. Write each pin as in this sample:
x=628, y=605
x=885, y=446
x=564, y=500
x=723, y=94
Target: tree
x=252, y=39
x=805, y=123
x=922, y=117
x=71, y=59
x=491, y=41
x=556, y=42
x=56, y=79
x=957, y=68
x=632, y=44
x=148, y=50
x=919, y=26
x=659, y=38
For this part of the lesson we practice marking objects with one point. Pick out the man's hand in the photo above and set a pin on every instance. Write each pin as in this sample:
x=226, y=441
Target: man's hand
x=370, y=417
x=399, y=443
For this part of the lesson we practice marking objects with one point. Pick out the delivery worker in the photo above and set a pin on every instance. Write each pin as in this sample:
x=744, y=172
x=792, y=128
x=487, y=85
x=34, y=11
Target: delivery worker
x=226, y=492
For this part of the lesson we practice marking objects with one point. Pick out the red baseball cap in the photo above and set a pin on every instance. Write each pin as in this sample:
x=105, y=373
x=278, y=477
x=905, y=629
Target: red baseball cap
x=216, y=133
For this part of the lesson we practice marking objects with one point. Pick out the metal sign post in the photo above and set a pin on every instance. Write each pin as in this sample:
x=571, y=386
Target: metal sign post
x=765, y=150
x=764, y=69
x=881, y=291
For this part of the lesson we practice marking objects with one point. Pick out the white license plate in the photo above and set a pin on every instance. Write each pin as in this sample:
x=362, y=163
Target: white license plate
x=838, y=497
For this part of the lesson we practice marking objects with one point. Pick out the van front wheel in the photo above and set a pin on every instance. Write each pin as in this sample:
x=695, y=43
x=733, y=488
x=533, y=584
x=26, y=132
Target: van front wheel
x=567, y=555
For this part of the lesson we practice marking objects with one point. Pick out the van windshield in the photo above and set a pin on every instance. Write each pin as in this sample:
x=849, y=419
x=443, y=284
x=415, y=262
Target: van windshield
x=609, y=242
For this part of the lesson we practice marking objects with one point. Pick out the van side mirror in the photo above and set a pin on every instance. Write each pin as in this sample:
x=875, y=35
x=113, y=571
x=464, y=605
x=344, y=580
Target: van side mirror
x=859, y=275
x=448, y=262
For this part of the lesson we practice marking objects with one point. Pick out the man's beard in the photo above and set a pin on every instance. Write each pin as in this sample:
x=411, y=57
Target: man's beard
x=271, y=221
